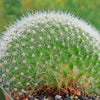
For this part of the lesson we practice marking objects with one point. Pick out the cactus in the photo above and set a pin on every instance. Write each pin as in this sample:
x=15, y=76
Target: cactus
x=52, y=48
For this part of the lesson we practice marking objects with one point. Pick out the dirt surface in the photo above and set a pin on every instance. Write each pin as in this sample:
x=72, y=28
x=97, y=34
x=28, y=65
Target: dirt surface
x=46, y=93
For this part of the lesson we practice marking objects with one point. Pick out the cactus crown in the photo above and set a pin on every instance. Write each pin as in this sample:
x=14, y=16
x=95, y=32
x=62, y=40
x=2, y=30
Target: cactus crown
x=50, y=48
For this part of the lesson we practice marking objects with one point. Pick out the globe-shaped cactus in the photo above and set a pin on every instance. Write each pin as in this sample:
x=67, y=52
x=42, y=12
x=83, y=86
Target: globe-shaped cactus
x=56, y=49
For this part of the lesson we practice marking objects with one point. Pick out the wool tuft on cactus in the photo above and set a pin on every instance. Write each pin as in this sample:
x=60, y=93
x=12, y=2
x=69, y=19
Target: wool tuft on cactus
x=52, y=48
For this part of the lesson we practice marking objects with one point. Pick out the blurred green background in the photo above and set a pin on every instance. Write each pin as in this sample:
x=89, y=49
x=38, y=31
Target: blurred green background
x=89, y=10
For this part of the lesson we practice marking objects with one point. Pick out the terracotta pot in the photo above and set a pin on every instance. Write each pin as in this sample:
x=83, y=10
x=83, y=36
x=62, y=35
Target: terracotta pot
x=6, y=97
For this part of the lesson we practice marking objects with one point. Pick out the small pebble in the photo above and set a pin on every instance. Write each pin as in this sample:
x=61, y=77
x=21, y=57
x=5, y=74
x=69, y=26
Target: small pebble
x=32, y=98
x=93, y=98
x=85, y=98
x=67, y=96
x=67, y=99
x=38, y=97
x=58, y=97
x=76, y=98
x=71, y=97
x=50, y=98
x=42, y=96
x=17, y=99
x=81, y=97
x=98, y=97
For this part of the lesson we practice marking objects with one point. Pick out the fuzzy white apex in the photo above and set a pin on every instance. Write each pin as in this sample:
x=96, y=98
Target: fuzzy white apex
x=27, y=21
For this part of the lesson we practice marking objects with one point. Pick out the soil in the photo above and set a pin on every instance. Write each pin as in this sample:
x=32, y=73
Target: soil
x=46, y=93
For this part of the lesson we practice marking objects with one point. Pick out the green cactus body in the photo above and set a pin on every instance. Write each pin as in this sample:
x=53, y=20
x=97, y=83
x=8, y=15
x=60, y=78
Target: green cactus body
x=50, y=48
